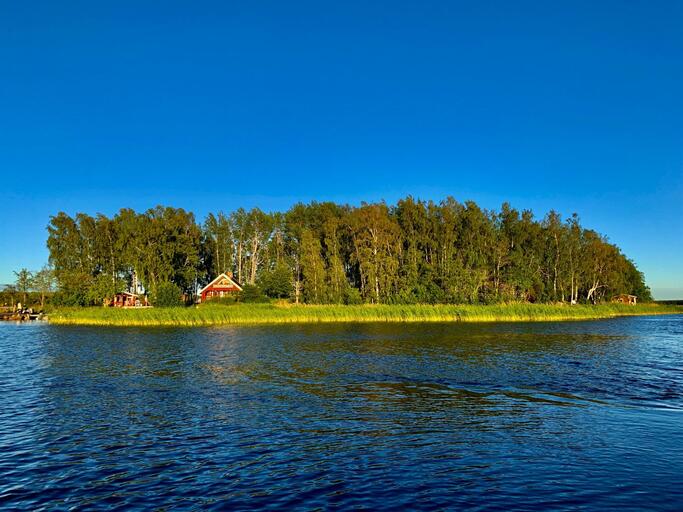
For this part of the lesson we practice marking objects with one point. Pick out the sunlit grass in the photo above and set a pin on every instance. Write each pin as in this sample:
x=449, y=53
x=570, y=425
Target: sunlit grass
x=210, y=314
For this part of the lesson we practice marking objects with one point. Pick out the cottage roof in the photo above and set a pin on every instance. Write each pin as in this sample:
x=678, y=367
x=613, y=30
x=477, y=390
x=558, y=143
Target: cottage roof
x=127, y=293
x=223, y=279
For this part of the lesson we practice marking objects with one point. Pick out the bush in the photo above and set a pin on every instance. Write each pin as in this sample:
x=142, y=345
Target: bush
x=277, y=283
x=102, y=288
x=69, y=299
x=167, y=295
x=352, y=296
x=251, y=293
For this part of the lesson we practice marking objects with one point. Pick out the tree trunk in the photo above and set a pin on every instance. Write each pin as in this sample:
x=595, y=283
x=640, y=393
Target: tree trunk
x=557, y=259
x=591, y=291
x=239, y=262
x=254, y=260
x=297, y=283
x=376, y=265
x=218, y=259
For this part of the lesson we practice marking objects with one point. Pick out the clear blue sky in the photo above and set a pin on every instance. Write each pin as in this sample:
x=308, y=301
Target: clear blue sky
x=576, y=106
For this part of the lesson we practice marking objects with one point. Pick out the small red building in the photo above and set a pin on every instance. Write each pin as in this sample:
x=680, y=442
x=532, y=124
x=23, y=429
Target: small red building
x=625, y=298
x=222, y=286
x=128, y=300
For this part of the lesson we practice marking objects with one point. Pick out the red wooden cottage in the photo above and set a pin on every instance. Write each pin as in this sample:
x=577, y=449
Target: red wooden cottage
x=222, y=286
x=625, y=298
x=128, y=300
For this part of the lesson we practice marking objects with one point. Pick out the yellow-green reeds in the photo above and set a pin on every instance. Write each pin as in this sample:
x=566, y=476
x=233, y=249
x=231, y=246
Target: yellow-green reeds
x=210, y=314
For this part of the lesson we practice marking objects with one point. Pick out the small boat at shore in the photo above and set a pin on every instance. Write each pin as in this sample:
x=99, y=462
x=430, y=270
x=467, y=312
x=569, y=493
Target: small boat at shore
x=20, y=316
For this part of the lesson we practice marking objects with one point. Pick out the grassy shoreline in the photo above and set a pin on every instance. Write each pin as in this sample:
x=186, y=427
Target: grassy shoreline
x=255, y=314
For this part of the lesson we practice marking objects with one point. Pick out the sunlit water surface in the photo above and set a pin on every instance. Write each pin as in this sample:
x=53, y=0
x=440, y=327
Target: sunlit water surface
x=381, y=417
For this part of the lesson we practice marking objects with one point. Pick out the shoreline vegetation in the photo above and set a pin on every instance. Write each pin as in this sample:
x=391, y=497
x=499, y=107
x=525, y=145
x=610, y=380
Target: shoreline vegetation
x=410, y=252
x=281, y=313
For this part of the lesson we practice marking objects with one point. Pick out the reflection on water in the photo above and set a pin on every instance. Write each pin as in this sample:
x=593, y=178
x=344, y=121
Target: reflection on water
x=372, y=416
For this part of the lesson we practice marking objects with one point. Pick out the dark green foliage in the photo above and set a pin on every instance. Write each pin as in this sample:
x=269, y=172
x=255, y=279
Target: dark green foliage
x=251, y=293
x=103, y=288
x=416, y=252
x=9, y=296
x=70, y=298
x=166, y=295
x=352, y=297
x=277, y=283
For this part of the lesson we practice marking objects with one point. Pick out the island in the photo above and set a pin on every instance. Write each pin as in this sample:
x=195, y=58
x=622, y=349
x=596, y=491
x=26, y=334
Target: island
x=413, y=261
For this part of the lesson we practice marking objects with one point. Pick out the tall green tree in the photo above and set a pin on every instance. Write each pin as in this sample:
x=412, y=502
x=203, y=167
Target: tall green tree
x=218, y=232
x=377, y=246
x=313, y=268
x=260, y=226
x=44, y=283
x=23, y=283
x=415, y=251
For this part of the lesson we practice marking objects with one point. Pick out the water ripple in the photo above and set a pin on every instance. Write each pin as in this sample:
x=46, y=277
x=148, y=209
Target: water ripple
x=375, y=417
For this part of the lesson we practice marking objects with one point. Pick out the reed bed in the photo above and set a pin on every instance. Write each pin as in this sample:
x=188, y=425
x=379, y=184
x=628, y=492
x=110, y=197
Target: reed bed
x=251, y=314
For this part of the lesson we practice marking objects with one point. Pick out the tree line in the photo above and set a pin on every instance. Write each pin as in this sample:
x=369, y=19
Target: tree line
x=29, y=288
x=412, y=252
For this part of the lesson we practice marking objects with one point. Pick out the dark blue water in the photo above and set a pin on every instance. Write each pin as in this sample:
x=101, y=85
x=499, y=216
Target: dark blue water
x=585, y=415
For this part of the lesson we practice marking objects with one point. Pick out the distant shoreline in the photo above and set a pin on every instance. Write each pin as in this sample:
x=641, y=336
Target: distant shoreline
x=274, y=314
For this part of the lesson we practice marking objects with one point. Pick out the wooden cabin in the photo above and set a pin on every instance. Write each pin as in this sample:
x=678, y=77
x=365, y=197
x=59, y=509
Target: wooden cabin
x=625, y=298
x=128, y=300
x=223, y=286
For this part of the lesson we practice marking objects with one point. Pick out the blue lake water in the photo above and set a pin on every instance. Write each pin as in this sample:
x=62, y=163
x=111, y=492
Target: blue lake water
x=585, y=415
